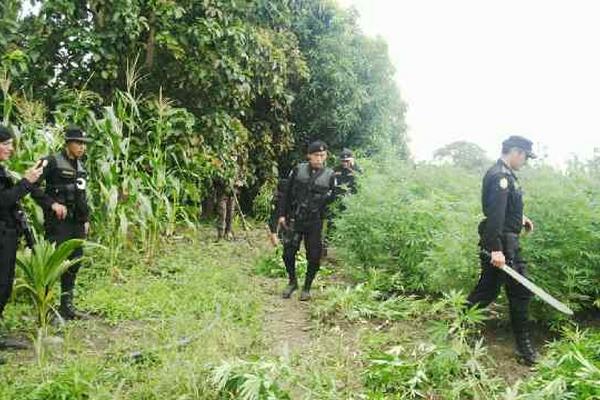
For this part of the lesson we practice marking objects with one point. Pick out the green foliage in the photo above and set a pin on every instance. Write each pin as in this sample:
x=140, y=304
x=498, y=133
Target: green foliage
x=406, y=221
x=271, y=264
x=42, y=269
x=363, y=302
x=195, y=292
x=250, y=380
x=418, y=226
x=569, y=370
x=448, y=366
x=247, y=73
x=564, y=251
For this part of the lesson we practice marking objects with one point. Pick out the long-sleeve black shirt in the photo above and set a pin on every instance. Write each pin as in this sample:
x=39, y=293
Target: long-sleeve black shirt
x=502, y=202
x=10, y=194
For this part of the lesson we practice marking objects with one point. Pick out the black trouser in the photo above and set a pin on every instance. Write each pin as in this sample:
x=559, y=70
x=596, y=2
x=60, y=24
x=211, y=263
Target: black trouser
x=8, y=254
x=311, y=235
x=492, y=278
x=59, y=232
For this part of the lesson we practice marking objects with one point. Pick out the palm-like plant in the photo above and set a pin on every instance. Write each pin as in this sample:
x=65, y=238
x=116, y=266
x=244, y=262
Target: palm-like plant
x=42, y=268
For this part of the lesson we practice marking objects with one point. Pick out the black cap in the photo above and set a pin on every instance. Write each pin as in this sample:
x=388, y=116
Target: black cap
x=5, y=133
x=346, y=155
x=519, y=142
x=317, y=146
x=75, y=133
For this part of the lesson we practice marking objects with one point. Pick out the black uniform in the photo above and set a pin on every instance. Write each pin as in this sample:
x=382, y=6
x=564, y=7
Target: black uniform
x=303, y=204
x=65, y=183
x=10, y=194
x=502, y=200
x=346, y=180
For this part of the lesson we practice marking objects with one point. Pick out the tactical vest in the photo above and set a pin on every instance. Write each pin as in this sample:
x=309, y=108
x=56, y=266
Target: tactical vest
x=311, y=193
x=67, y=181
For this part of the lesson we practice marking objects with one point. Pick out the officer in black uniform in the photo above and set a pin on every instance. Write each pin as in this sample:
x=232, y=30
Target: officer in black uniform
x=502, y=200
x=346, y=173
x=10, y=216
x=66, y=212
x=310, y=188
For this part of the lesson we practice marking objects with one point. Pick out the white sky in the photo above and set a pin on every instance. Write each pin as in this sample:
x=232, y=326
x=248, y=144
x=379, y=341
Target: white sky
x=480, y=70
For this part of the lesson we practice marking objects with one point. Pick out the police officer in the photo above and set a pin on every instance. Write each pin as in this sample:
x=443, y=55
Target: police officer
x=502, y=200
x=346, y=173
x=66, y=212
x=10, y=194
x=310, y=188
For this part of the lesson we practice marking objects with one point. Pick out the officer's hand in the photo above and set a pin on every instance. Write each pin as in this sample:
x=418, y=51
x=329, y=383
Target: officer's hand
x=498, y=259
x=274, y=239
x=59, y=210
x=527, y=224
x=33, y=174
x=281, y=222
x=86, y=228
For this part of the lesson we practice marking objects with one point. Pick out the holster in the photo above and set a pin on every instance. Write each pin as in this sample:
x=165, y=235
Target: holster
x=511, y=247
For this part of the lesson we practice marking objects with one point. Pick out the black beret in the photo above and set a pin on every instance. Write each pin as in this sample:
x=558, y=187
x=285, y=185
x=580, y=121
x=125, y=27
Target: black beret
x=521, y=143
x=317, y=146
x=5, y=133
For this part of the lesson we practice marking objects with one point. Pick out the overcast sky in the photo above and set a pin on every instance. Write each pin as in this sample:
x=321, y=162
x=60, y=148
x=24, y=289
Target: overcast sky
x=480, y=70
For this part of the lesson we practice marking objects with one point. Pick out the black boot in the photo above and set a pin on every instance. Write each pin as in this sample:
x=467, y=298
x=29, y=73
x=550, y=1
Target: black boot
x=290, y=288
x=67, y=310
x=525, y=352
x=308, y=280
x=519, y=316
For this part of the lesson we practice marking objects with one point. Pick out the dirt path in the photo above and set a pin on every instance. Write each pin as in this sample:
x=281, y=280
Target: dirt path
x=287, y=322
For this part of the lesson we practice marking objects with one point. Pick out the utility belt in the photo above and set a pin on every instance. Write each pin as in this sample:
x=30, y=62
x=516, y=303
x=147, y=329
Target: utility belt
x=510, y=242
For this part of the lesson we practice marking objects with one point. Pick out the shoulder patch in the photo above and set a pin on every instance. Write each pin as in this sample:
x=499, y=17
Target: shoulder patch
x=503, y=183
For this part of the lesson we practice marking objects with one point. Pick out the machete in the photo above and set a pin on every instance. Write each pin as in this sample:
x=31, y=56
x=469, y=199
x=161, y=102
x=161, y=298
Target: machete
x=537, y=290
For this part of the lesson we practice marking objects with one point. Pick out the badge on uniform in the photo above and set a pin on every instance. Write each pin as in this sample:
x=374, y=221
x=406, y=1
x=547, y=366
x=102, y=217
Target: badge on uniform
x=503, y=183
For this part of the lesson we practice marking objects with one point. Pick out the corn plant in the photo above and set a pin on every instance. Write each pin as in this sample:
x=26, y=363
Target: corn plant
x=42, y=269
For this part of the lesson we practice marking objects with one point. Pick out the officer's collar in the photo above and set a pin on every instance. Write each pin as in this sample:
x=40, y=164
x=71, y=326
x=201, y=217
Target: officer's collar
x=505, y=165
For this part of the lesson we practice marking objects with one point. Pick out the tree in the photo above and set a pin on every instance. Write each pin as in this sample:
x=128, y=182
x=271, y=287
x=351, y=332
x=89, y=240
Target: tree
x=463, y=154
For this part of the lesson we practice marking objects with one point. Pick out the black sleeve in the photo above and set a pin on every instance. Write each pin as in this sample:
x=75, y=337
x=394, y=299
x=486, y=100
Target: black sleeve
x=333, y=184
x=285, y=202
x=497, y=200
x=38, y=193
x=10, y=196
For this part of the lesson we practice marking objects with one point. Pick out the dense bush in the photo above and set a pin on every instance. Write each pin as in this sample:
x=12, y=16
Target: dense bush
x=418, y=224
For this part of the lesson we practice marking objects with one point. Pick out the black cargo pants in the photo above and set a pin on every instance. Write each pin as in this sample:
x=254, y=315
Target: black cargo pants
x=492, y=278
x=312, y=237
x=8, y=255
